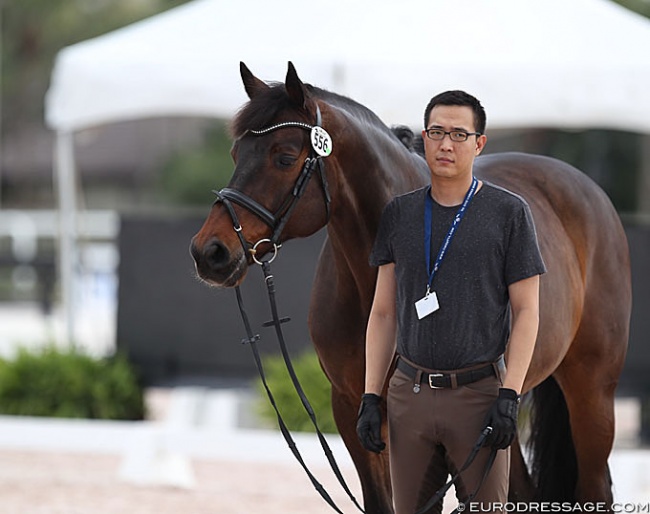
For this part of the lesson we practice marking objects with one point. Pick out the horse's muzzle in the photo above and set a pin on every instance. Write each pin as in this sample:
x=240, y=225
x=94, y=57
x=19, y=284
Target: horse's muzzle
x=217, y=264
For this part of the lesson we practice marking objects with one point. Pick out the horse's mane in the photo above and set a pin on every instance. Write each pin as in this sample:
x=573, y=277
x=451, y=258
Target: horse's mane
x=406, y=136
x=263, y=109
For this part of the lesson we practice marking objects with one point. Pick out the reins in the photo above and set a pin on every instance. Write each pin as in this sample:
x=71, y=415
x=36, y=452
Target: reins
x=277, y=222
x=440, y=493
x=252, y=339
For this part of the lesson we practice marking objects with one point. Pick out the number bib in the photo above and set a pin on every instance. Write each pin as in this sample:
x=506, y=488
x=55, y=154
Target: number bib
x=321, y=141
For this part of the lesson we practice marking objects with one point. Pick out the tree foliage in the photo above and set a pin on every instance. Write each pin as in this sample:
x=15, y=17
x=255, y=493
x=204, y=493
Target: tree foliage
x=639, y=6
x=33, y=31
x=70, y=384
x=190, y=175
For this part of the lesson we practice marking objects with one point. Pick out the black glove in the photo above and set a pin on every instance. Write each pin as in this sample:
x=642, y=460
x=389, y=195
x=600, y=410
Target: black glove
x=369, y=423
x=502, y=417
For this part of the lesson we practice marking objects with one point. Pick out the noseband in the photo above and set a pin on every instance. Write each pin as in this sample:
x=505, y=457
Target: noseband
x=320, y=147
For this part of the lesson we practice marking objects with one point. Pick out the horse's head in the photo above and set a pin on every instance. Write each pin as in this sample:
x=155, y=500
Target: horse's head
x=278, y=190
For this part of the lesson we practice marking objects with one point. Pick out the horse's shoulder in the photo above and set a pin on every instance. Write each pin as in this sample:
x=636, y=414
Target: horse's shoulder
x=406, y=199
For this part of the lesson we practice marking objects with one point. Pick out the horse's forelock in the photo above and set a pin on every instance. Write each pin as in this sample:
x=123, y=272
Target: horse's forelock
x=261, y=111
x=265, y=108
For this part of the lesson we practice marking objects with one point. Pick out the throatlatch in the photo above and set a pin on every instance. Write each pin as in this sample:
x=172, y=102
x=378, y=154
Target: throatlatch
x=321, y=147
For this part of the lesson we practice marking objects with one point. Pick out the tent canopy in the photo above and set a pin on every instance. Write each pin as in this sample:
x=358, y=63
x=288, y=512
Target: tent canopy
x=575, y=64
x=556, y=63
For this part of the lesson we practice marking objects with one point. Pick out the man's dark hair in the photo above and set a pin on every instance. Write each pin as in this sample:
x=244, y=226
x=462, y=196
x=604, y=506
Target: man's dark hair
x=458, y=98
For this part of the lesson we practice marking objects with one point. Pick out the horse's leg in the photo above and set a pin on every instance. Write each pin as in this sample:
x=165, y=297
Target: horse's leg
x=588, y=377
x=337, y=325
x=521, y=486
x=591, y=368
x=372, y=469
x=589, y=394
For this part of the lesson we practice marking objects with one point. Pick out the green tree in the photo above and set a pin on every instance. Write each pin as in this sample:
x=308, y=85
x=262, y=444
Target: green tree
x=32, y=33
x=639, y=6
x=190, y=175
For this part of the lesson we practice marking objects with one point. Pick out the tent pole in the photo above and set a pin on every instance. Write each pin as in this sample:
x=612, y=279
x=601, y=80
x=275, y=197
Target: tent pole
x=643, y=195
x=65, y=181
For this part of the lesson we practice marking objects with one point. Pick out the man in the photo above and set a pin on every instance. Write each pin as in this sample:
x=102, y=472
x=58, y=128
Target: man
x=458, y=283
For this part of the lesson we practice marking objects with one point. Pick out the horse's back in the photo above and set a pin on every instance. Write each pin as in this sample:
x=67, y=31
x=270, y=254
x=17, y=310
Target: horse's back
x=549, y=182
x=585, y=294
x=556, y=191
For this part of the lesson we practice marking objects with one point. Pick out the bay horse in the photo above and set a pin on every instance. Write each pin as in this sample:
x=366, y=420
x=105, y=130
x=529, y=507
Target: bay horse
x=585, y=296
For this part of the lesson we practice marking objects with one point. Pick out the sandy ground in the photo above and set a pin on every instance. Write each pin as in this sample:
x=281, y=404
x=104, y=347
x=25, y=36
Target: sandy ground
x=64, y=483
x=49, y=467
x=38, y=482
x=68, y=469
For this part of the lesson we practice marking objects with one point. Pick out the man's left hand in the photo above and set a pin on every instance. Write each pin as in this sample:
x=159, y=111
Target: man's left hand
x=502, y=417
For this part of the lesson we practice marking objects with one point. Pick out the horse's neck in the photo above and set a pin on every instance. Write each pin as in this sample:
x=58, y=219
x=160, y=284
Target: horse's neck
x=374, y=168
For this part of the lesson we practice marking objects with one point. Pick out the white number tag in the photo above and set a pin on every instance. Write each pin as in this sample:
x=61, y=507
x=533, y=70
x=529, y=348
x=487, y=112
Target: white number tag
x=321, y=141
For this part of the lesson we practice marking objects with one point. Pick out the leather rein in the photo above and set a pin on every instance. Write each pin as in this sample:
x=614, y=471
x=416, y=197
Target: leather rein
x=277, y=221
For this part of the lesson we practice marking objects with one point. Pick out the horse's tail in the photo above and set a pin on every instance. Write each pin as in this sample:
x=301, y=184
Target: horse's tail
x=554, y=467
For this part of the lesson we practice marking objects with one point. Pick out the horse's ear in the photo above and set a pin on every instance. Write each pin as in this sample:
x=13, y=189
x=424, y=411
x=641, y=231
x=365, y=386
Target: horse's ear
x=295, y=88
x=252, y=84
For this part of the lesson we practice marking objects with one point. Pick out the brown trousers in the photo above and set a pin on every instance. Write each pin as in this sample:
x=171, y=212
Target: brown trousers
x=432, y=433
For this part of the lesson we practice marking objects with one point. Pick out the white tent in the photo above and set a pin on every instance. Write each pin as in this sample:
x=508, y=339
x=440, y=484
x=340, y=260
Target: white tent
x=533, y=63
x=553, y=63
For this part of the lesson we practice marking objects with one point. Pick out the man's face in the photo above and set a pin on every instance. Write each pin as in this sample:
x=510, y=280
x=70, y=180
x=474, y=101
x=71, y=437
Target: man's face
x=447, y=158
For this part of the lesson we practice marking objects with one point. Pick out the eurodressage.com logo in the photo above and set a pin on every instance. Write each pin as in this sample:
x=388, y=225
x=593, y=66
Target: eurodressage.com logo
x=620, y=507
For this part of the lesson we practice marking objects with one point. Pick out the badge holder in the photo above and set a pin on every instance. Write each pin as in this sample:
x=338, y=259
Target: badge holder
x=427, y=305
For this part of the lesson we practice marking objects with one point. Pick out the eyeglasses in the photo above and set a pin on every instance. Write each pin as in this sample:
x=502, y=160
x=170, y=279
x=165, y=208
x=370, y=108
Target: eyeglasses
x=457, y=136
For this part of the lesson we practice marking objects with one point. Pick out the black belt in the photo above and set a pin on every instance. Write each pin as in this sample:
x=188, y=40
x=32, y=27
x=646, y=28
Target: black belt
x=445, y=380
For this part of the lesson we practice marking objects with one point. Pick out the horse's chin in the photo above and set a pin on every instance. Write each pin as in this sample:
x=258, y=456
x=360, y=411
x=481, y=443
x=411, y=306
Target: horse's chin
x=232, y=276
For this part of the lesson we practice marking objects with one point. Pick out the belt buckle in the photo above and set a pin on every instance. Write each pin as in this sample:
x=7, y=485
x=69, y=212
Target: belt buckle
x=431, y=377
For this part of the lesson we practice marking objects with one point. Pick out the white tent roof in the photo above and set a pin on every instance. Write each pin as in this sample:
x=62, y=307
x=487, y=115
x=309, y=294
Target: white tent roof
x=571, y=64
x=556, y=63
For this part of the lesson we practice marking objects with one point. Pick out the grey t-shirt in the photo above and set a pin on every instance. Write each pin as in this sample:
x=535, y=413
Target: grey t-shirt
x=494, y=246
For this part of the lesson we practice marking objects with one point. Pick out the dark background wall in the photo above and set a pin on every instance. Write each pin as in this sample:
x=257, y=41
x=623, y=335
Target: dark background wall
x=636, y=374
x=175, y=327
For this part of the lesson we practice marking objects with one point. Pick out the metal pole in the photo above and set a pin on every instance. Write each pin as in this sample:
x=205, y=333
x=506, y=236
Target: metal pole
x=643, y=191
x=66, y=188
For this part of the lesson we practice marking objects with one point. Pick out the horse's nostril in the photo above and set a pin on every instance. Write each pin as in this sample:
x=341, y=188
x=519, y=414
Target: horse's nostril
x=216, y=254
x=213, y=256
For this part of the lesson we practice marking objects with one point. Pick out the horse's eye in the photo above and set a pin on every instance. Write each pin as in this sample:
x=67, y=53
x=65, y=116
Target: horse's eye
x=285, y=161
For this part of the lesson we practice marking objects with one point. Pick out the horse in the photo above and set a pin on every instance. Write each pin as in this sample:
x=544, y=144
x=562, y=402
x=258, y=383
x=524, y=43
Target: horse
x=585, y=296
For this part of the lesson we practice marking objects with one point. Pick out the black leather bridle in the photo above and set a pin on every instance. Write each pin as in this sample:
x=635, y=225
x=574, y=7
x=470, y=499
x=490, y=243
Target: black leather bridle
x=277, y=221
x=228, y=196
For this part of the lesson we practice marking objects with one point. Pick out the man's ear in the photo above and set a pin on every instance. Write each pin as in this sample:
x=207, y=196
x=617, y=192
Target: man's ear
x=481, y=141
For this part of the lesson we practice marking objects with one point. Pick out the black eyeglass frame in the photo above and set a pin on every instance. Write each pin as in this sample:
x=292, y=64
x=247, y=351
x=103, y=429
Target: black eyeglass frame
x=445, y=133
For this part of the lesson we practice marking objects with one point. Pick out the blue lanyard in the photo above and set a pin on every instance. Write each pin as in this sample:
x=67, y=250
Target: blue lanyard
x=428, y=209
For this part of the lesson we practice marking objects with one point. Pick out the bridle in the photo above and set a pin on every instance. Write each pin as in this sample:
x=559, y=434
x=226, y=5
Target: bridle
x=321, y=146
x=228, y=196
x=278, y=220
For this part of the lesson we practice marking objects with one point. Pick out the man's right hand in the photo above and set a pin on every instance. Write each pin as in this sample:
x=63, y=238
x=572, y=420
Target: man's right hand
x=369, y=423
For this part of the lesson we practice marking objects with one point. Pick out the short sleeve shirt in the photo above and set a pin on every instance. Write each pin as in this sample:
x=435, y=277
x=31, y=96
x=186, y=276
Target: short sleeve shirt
x=494, y=246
